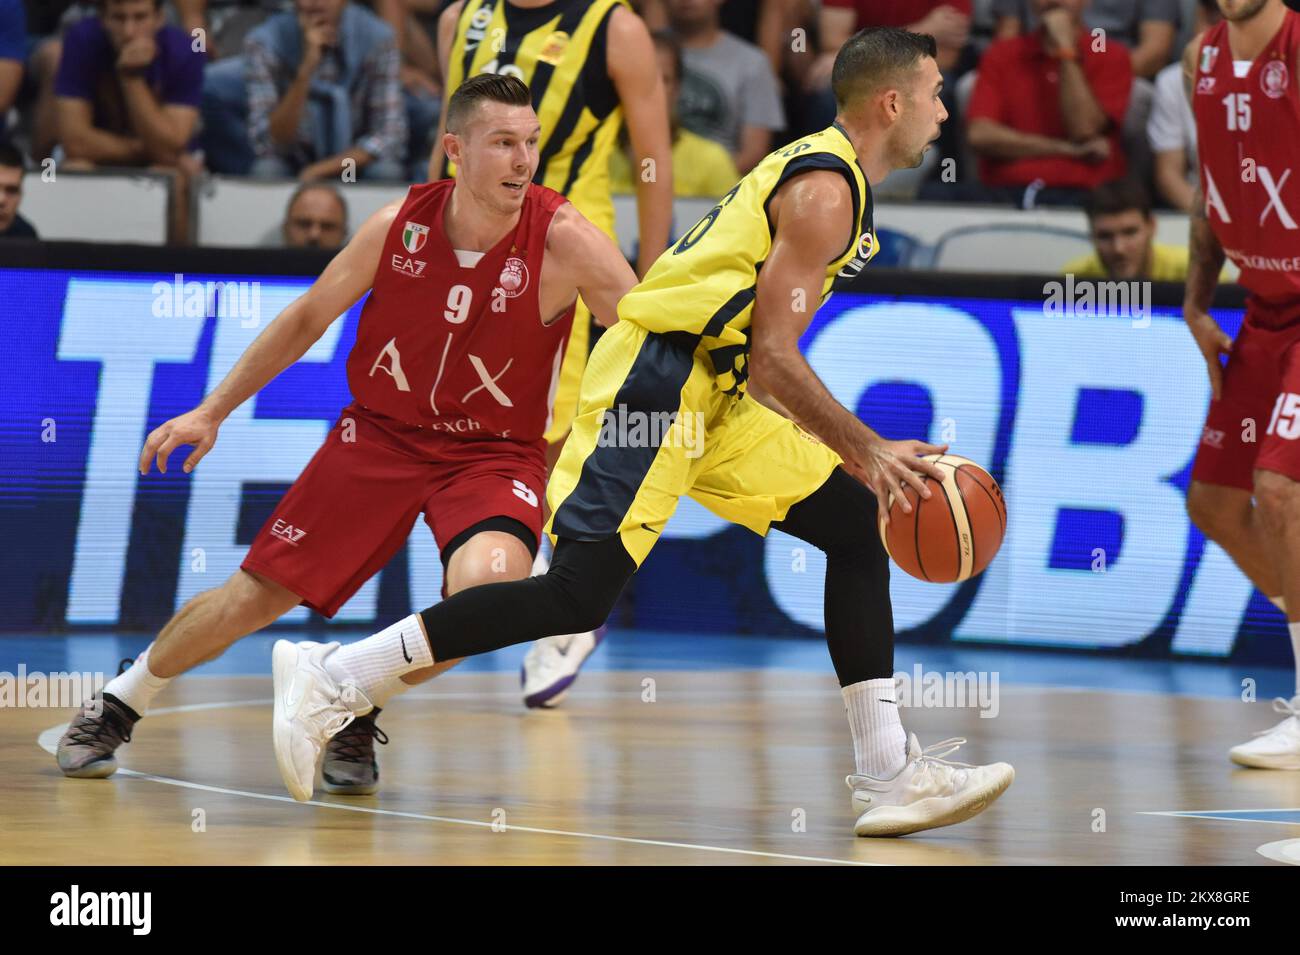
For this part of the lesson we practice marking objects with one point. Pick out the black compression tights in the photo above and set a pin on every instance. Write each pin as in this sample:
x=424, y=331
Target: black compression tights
x=586, y=577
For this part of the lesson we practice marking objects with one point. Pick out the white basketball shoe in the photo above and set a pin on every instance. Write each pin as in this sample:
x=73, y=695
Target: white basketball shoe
x=310, y=707
x=928, y=792
x=1276, y=748
x=552, y=665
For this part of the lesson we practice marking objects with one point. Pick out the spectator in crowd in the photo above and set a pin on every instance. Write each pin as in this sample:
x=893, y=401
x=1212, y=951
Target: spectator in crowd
x=325, y=94
x=414, y=24
x=128, y=89
x=1147, y=27
x=1046, y=112
x=315, y=218
x=948, y=21
x=223, y=24
x=701, y=167
x=1123, y=237
x=764, y=23
x=12, y=225
x=728, y=93
x=1171, y=128
x=13, y=52
x=46, y=22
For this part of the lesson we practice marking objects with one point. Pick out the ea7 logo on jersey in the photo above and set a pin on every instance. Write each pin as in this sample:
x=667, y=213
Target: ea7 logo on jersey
x=412, y=267
x=287, y=532
x=414, y=236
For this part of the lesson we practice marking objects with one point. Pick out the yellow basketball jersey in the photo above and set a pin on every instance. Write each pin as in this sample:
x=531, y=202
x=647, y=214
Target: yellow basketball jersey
x=706, y=283
x=559, y=50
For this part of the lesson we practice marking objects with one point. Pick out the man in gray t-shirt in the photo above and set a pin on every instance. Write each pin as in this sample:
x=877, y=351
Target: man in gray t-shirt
x=728, y=91
x=1147, y=27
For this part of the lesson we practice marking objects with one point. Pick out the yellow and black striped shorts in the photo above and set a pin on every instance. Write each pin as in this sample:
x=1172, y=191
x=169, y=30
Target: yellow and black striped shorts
x=652, y=425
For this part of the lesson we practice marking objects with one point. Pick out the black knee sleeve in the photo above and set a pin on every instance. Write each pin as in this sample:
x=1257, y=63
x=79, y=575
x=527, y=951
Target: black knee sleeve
x=840, y=519
x=575, y=595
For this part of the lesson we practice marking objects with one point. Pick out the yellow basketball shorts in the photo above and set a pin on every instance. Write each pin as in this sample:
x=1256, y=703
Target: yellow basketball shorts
x=653, y=425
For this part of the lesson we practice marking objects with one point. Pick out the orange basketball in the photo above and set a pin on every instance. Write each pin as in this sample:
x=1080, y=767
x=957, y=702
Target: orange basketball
x=954, y=534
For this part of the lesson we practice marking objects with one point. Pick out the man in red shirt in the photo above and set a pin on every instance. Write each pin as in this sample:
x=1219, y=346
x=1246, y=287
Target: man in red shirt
x=1047, y=110
x=948, y=21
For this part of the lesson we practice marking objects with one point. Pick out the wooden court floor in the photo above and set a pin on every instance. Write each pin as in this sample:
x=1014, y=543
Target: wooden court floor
x=730, y=767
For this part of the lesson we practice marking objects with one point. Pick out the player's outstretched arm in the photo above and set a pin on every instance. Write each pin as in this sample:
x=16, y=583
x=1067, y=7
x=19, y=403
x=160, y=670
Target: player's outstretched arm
x=813, y=216
x=347, y=278
x=590, y=262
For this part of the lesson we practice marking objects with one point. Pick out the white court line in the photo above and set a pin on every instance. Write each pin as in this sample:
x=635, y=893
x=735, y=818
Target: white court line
x=1200, y=813
x=1287, y=851
x=49, y=739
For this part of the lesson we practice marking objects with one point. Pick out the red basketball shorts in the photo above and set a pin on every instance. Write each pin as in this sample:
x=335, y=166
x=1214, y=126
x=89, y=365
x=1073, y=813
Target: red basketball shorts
x=1255, y=423
x=354, y=505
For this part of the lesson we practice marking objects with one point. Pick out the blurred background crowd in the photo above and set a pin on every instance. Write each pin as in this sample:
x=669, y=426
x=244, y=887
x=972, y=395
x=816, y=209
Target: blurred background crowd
x=286, y=89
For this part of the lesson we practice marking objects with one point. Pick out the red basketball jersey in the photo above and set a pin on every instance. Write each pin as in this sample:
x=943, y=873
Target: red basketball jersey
x=1248, y=136
x=454, y=348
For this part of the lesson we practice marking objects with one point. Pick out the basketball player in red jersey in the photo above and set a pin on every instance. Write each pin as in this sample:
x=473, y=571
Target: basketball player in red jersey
x=472, y=283
x=1241, y=78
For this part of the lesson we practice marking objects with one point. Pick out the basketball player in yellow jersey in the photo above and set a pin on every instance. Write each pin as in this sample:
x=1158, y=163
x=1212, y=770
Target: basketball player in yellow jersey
x=663, y=412
x=590, y=64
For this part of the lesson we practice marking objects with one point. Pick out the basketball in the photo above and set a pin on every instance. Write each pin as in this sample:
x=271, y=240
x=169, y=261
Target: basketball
x=954, y=534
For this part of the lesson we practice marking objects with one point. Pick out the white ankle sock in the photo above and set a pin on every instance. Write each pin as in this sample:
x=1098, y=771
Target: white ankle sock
x=1278, y=602
x=381, y=692
x=374, y=662
x=137, y=686
x=1294, y=627
x=879, y=743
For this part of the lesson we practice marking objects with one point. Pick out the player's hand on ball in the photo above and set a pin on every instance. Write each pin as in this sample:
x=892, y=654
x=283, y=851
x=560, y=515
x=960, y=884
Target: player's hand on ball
x=197, y=428
x=888, y=465
x=1213, y=341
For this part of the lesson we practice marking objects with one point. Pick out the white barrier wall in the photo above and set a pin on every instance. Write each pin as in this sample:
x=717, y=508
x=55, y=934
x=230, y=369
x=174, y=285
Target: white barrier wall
x=97, y=207
x=247, y=213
